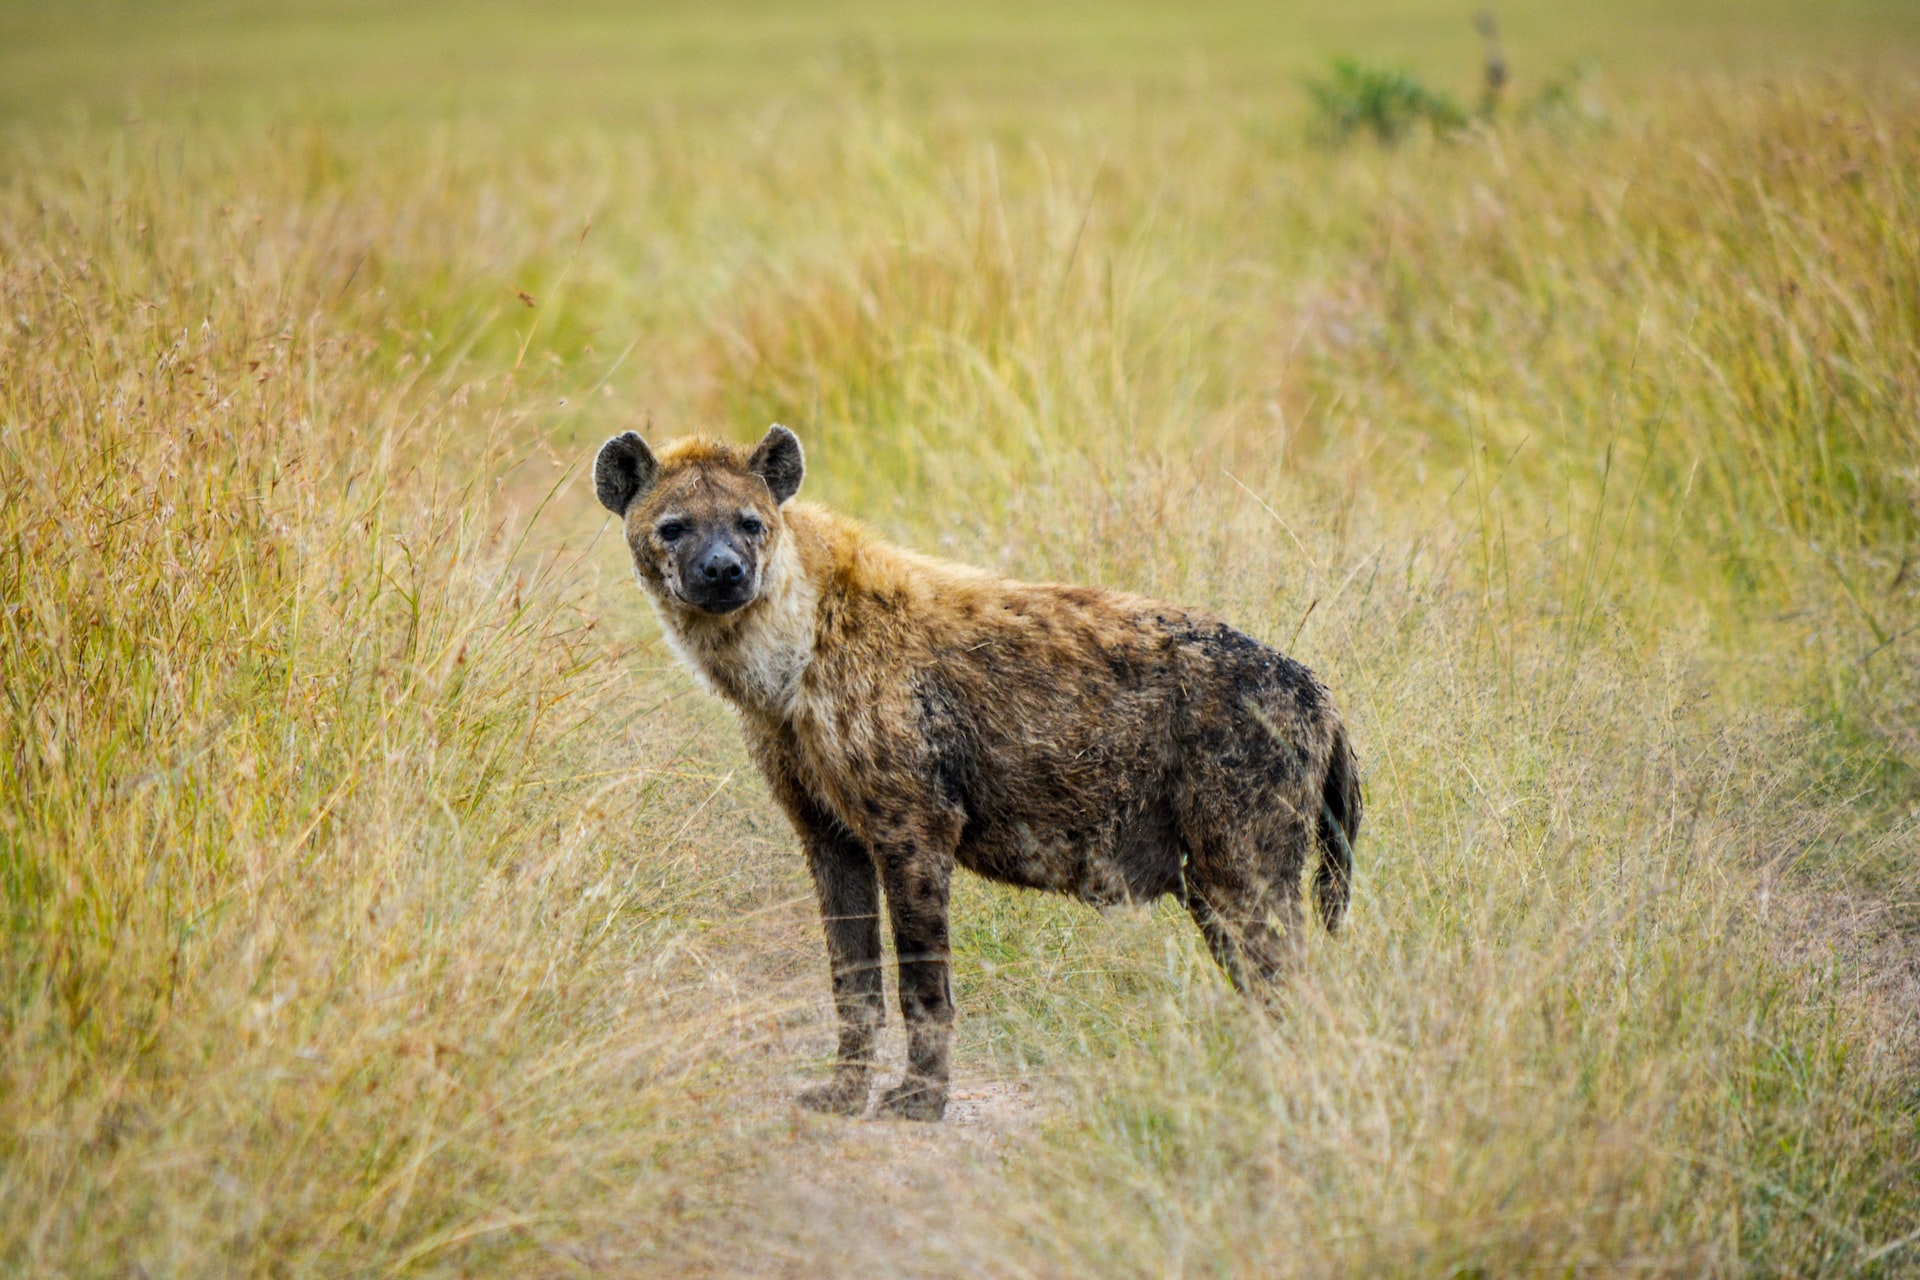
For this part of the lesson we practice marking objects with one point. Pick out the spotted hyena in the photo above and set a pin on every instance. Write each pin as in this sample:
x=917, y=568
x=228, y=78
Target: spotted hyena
x=911, y=714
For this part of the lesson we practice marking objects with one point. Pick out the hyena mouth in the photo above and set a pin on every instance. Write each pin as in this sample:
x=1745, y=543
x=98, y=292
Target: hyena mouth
x=719, y=600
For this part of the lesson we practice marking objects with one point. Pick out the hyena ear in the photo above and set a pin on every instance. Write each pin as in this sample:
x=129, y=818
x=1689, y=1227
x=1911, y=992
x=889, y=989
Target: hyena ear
x=624, y=470
x=778, y=460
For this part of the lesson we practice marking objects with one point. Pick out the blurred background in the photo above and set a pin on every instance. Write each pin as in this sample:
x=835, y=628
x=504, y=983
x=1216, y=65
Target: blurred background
x=608, y=60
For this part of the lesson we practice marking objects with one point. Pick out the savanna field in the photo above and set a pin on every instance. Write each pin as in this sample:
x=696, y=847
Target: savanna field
x=381, y=899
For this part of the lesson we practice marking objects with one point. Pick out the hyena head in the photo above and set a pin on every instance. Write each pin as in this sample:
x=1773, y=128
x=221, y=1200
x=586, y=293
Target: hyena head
x=702, y=518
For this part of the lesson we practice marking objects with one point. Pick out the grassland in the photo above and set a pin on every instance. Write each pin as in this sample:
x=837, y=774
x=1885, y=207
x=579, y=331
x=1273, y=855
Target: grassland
x=380, y=900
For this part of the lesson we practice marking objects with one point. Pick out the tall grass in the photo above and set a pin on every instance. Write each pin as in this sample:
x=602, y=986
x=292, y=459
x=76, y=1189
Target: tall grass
x=378, y=899
x=320, y=950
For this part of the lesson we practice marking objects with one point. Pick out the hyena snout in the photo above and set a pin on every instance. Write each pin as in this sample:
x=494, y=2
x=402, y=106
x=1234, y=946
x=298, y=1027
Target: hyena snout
x=721, y=567
x=717, y=577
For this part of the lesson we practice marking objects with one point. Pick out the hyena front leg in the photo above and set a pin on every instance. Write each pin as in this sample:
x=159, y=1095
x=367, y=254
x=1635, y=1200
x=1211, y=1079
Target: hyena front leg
x=918, y=876
x=849, y=893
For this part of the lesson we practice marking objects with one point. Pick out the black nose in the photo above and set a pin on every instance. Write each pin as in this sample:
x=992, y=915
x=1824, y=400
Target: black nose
x=721, y=567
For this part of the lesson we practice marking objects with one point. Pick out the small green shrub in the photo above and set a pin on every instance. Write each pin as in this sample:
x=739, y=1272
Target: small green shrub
x=1386, y=103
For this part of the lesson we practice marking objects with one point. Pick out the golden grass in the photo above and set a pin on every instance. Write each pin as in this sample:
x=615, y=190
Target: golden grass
x=307, y=856
x=380, y=901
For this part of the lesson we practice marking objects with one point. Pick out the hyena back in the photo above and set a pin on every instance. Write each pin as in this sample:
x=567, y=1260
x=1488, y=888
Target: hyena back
x=911, y=714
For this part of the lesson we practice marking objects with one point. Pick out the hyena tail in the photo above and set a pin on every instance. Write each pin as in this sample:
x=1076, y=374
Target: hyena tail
x=1340, y=807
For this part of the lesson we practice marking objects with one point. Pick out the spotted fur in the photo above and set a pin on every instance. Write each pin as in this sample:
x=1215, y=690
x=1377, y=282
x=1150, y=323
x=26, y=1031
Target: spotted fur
x=911, y=715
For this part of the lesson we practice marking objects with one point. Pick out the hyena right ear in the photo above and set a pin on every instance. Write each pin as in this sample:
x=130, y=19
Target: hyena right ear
x=778, y=460
x=624, y=470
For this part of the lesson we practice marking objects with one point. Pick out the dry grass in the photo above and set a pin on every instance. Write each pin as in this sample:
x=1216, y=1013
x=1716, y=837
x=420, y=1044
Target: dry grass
x=380, y=901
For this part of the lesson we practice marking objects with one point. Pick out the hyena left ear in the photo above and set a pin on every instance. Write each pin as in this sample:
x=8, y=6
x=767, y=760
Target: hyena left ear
x=778, y=461
x=623, y=471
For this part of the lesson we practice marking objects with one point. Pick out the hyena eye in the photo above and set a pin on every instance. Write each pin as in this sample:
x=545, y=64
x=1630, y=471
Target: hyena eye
x=751, y=526
x=670, y=530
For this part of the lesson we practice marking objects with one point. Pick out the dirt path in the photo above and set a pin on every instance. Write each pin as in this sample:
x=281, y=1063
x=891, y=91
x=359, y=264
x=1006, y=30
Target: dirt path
x=832, y=1196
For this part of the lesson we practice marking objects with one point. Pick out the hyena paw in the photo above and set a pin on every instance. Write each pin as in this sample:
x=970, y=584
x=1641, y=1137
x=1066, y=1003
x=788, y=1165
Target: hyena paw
x=841, y=1096
x=913, y=1099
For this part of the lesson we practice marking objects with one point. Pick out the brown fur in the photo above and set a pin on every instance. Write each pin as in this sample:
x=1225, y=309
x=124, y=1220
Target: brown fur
x=911, y=714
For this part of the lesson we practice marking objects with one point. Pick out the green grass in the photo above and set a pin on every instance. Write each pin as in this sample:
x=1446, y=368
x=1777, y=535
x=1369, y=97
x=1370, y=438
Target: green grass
x=602, y=64
x=379, y=899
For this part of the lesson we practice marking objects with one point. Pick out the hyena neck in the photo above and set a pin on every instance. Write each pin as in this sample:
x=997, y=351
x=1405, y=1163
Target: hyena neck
x=754, y=658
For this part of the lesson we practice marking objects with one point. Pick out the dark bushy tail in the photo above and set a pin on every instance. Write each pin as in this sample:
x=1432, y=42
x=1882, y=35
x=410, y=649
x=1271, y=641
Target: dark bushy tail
x=1340, y=806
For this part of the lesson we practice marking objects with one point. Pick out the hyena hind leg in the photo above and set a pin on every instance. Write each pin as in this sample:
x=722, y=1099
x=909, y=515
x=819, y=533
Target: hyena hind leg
x=1253, y=926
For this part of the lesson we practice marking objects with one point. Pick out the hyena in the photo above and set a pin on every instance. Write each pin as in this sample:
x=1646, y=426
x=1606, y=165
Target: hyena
x=911, y=714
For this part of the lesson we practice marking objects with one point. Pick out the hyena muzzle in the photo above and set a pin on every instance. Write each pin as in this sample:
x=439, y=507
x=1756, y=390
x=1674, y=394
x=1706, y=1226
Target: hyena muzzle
x=911, y=715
